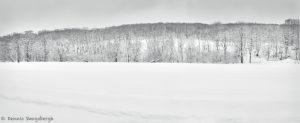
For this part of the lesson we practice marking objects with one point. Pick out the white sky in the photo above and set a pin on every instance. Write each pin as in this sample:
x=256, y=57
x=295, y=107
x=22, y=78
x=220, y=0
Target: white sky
x=21, y=15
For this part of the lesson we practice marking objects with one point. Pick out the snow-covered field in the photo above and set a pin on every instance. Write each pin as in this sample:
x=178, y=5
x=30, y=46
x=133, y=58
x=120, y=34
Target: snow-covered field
x=151, y=92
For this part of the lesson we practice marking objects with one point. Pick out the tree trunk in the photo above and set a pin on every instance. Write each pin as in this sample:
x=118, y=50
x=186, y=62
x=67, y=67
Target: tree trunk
x=241, y=45
x=250, y=59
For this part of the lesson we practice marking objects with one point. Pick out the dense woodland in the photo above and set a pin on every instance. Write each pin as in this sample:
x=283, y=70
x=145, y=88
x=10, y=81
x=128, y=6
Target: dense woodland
x=158, y=42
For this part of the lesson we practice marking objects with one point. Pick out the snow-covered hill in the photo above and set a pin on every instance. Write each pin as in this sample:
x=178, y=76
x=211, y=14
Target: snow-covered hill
x=155, y=93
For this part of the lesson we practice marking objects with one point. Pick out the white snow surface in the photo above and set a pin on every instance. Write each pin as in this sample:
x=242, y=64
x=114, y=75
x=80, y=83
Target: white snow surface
x=151, y=92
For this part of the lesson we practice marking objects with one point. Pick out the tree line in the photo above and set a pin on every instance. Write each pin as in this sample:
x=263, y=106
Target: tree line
x=156, y=42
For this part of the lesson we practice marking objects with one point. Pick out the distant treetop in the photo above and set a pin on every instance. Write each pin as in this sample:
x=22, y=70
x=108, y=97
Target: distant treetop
x=292, y=21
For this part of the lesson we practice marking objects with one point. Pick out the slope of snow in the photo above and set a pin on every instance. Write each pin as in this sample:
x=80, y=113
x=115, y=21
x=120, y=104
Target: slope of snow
x=258, y=60
x=156, y=93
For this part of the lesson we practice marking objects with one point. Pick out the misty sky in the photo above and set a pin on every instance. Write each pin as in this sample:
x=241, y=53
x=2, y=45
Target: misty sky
x=21, y=15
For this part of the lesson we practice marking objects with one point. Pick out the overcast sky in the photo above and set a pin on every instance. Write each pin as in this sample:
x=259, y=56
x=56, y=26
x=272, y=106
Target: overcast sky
x=21, y=15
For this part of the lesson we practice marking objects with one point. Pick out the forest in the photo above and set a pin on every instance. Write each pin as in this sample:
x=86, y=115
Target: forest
x=156, y=42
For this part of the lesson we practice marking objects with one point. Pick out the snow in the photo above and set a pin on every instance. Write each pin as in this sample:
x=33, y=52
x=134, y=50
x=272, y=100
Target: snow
x=151, y=92
x=258, y=60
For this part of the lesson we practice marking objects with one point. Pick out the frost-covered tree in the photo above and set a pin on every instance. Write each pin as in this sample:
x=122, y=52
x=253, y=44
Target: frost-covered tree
x=159, y=42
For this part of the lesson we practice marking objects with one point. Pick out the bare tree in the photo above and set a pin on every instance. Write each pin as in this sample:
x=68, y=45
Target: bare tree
x=253, y=36
x=45, y=49
x=241, y=40
x=224, y=46
x=28, y=41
